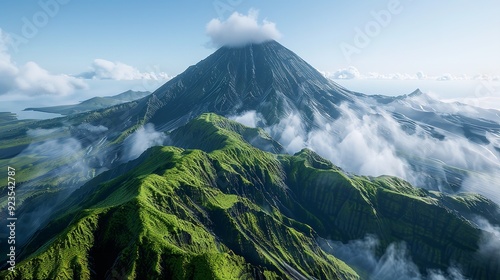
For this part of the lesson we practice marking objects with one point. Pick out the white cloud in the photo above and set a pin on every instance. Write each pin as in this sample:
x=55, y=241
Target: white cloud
x=393, y=76
x=366, y=136
x=249, y=118
x=395, y=263
x=347, y=73
x=368, y=133
x=290, y=133
x=108, y=70
x=446, y=77
x=489, y=245
x=356, y=253
x=240, y=29
x=31, y=79
x=352, y=72
x=58, y=150
x=142, y=139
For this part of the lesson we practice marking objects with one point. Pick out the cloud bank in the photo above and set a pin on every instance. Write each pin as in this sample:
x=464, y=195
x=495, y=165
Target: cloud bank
x=352, y=72
x=107, y=70
x=395, y=263
x=367, y=140
x=345, y=74
x=65, y=149
x=250, y=118
x=240, y=29
x=489, y=245
x=31, y=79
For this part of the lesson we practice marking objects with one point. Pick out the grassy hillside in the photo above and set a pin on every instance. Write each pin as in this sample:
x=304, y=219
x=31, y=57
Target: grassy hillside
x=216, y=207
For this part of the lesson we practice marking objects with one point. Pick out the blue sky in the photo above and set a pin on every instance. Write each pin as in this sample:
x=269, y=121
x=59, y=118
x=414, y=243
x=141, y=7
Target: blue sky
x=458, y=37
x=452, y=37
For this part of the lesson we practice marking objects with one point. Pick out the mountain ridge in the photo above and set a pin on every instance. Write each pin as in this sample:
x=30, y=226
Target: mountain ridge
x=94, y=103
x=252, y=202
x=240, y=197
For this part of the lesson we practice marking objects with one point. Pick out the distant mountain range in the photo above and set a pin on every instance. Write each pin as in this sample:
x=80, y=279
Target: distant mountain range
x=246, y=166
x=94, y=103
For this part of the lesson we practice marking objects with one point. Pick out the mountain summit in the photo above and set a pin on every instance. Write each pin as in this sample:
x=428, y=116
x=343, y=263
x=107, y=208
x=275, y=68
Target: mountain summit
x=266, y=77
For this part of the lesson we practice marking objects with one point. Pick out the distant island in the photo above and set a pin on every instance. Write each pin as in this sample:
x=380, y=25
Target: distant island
x=93, y=103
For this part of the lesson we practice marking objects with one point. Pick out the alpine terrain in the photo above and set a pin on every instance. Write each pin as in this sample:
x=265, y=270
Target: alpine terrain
x=252, y=165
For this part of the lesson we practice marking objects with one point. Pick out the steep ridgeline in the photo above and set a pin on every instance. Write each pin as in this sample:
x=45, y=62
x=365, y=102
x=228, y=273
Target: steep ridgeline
x=216, y=207
x=267, y=78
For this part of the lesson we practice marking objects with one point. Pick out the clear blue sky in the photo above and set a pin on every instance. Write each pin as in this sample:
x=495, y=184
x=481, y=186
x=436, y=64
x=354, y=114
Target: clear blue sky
x=448, y=36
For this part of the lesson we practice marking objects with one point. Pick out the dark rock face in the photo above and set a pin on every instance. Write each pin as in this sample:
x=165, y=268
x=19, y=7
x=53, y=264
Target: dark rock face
x=267, y=78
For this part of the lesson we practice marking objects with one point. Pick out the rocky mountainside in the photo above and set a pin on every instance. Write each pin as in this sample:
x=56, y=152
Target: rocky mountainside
x=267, y=78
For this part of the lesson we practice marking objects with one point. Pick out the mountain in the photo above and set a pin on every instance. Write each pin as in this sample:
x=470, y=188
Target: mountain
x=266, y=78
x=293, y=102
x=94, y=103
x=450, y=142
x=300, y=108
x=232, y=198
x=231, y=211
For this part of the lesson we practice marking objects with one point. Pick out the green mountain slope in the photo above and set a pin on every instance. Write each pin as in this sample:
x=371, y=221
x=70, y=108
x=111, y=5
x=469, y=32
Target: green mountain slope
x=216, y=207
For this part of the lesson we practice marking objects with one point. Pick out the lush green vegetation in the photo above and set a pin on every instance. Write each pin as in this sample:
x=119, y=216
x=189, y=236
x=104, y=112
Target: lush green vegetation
x=216, y=207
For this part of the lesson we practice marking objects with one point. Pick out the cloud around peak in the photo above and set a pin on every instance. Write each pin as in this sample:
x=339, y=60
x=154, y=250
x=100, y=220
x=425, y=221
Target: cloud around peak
x=240, y=29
